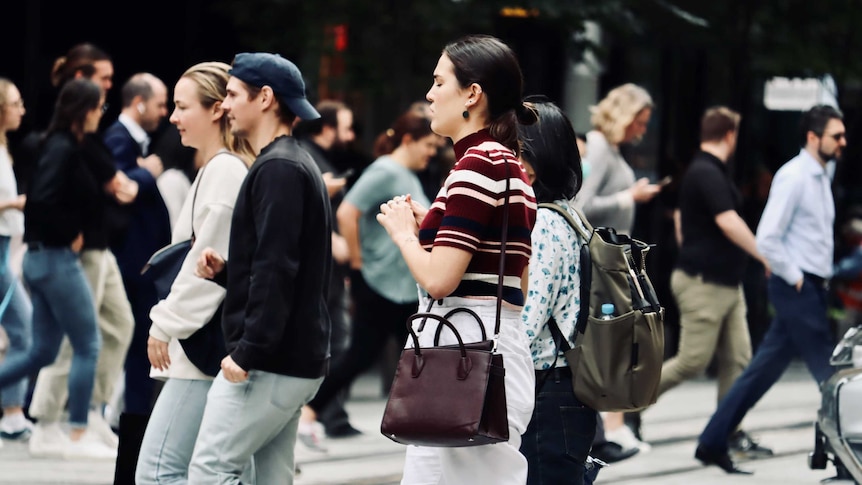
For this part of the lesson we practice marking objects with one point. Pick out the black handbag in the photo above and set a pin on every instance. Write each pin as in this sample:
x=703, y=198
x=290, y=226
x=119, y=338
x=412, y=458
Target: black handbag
x=451, y=395
x=205, y=348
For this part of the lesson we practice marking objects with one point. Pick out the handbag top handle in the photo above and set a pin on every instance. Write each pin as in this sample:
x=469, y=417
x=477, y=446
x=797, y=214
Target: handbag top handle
x=195, y=194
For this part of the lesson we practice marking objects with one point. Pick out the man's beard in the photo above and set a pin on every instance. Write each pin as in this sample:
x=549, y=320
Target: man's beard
x=826, y=156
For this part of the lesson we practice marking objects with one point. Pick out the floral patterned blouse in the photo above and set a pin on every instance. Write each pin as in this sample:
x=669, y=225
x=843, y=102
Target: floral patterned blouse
x=554, y=283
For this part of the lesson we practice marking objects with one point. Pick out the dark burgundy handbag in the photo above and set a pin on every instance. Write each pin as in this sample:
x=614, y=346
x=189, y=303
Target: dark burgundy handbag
x=451, y=395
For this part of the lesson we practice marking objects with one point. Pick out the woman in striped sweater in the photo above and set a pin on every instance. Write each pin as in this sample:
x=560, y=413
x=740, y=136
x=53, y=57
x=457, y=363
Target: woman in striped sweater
x=453, y=248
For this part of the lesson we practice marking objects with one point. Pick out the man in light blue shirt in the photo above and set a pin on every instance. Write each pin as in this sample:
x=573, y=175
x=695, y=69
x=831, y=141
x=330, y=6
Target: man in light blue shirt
x=795, y=236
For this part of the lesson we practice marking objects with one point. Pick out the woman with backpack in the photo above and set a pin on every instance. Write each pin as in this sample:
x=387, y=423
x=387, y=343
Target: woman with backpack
x=557, y=441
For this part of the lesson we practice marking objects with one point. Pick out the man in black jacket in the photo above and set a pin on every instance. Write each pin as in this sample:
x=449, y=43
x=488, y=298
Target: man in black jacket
x=275, y=320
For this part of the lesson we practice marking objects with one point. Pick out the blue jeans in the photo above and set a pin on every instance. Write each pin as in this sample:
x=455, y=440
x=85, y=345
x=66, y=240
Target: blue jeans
x=254, y=419
x=62, y=304
x=799, y=329
x=171, y=432
x=17, y=322
x=558, y=439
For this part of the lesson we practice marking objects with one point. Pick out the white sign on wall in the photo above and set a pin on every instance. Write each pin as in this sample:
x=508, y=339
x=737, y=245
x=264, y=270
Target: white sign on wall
x=799, y=94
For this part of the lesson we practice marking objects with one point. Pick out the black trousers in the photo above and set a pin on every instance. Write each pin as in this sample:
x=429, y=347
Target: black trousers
x=375, y=320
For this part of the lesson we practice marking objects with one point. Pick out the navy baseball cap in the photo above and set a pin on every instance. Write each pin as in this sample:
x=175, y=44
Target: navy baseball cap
x=265, y=69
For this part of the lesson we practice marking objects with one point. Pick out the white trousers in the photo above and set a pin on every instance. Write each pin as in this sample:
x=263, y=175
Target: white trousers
x=499, y=463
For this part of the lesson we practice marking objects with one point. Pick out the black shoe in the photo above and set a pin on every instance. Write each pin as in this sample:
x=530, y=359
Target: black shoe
x=342, y=431
x=610, y=452
x=742, y=445
x=721, y=460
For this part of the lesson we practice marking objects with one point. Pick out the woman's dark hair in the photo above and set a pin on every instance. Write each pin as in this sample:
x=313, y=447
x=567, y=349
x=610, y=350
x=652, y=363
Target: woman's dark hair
x=80, y=58
x=488, y=62
x=409, y=123
x=551, y=148
x=77, y=98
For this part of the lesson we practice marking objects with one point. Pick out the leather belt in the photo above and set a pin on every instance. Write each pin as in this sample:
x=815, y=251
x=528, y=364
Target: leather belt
x=817, y=280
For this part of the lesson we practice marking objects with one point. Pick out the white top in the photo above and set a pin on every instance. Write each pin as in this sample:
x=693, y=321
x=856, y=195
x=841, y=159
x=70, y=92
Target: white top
x=11, y=220
x=795, y=229
x=193, y=301
x=174, y=186
x=138, y=134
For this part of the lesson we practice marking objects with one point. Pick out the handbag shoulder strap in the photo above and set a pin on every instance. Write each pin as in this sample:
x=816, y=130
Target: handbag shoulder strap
x=200, y=180
x=503, y=238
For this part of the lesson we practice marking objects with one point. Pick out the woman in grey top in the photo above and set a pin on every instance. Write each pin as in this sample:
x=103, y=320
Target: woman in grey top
x=610, y=192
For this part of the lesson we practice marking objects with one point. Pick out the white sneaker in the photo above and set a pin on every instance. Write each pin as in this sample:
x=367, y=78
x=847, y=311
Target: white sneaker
x=48, y=440
x=89, y=447
x=624, y=437
x=310, y=434
x=100, y=427
x=17, y=427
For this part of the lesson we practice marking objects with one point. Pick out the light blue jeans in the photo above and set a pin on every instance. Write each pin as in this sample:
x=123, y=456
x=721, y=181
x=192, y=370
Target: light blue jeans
x=171, y=432
x=62, y=305
x=255, y=419
x=17, y=322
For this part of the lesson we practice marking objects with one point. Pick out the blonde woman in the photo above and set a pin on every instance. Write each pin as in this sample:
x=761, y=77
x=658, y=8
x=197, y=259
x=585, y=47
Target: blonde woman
x=173, y=426
x=16, y=312
x=610, y=193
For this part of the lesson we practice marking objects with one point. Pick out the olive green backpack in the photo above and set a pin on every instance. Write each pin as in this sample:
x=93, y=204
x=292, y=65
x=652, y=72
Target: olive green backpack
x=615, y=362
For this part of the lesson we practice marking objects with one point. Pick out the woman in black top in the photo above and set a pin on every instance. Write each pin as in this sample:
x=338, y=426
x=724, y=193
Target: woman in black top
x=62, y=196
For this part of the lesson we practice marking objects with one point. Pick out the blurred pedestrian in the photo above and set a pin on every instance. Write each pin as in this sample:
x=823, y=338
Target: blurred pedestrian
x=715, y=246
x=16, y=311
x=85, y=60
x=63, y=196
x=113, y=312
x=847, y=274
x=382, y=289
x=320, y=137
x=202, y=124
x=795, y=236
x=275, y=320
x=609, y=194
x=144, y=98
x=453, y=248
x=558, y=439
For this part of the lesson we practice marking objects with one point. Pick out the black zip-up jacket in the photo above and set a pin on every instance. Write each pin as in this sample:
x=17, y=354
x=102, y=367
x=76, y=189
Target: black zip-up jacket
x=277, y=273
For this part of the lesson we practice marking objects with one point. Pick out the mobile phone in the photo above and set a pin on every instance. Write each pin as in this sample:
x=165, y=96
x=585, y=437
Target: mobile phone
x=665, y=181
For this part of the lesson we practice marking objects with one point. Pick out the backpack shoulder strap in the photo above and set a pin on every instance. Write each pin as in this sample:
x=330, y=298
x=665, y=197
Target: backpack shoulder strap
x=584, y=230
x=586, y=262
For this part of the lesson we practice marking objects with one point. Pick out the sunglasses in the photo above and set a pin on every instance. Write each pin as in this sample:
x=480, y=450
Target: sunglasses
x=837, y=136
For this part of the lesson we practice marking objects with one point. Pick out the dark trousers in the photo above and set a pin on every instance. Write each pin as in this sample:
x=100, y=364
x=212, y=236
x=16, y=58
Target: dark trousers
x=560, y=433
x=375, y=320
x=333, y=415
x=139, y=387
x=799, y=329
